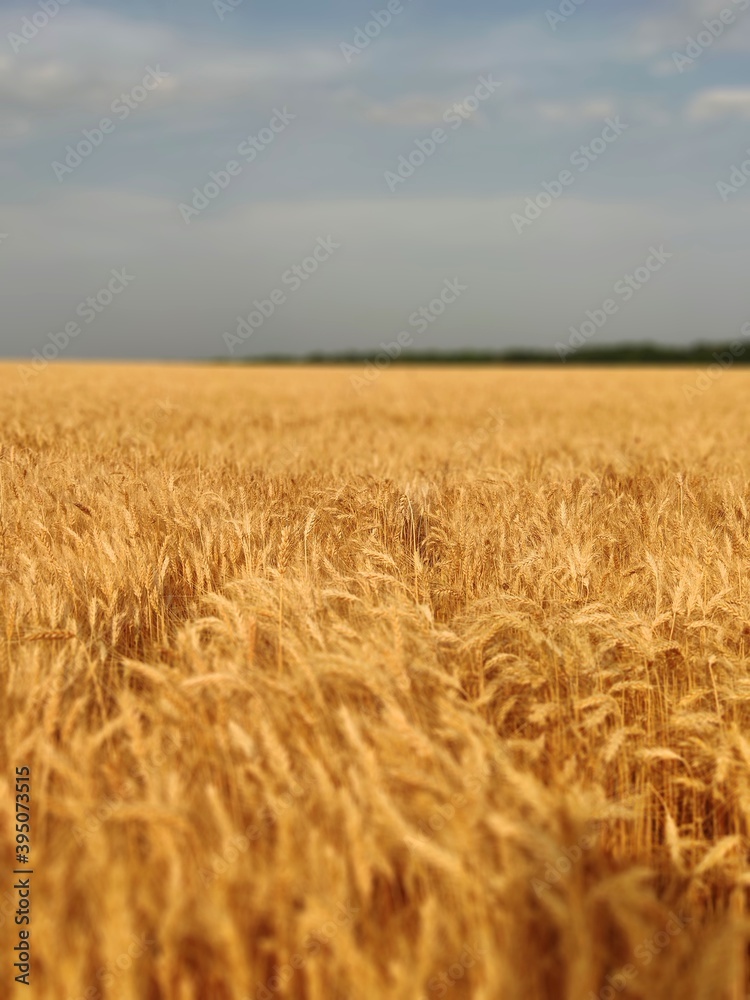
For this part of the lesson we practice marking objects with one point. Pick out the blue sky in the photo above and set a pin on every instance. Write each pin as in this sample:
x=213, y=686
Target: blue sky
x=340, y=123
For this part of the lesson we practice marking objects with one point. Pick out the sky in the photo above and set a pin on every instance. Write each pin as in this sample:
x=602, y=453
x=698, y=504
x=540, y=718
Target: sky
x=238, y=178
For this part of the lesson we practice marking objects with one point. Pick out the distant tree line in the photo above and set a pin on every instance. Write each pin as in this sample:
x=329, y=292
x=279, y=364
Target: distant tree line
x=645, y=353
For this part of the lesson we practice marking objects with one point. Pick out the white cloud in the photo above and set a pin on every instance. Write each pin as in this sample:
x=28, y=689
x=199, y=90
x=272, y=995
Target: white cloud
x=571, y=112
x=658, y=36
x=85, y=59
x=419, y=110
x=719, y=102
x=412, y=110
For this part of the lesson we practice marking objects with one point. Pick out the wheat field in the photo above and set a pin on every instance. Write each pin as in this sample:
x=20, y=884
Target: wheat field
x=435, y=689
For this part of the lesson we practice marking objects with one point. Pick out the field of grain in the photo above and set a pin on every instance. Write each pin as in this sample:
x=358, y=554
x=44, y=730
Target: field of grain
x=438, y=689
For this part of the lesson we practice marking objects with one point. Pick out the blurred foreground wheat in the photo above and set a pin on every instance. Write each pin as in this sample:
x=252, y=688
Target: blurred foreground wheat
x=333, y=696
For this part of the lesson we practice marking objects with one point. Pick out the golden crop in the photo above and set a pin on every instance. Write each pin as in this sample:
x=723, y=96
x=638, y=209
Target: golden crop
x=439, y=689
